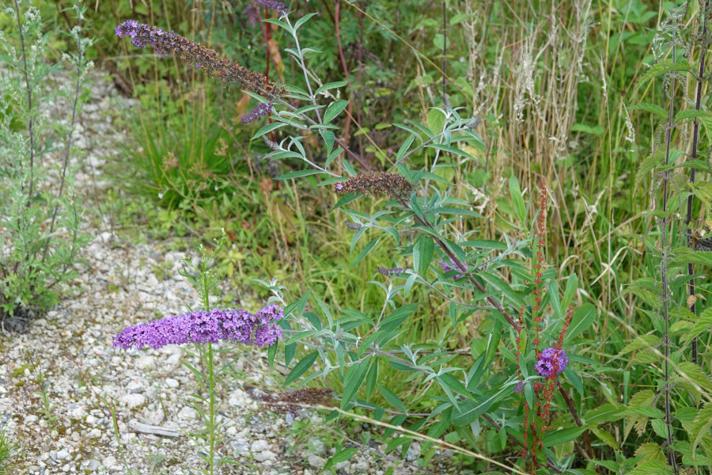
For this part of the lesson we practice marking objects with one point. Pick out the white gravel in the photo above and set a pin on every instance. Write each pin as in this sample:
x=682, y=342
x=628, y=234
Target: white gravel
x=69, y=400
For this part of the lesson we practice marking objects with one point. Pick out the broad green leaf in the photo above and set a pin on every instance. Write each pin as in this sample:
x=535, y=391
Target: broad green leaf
x=606, y=437
x=685, y=255
x=659, y=428
x=500, y=285
x=640, y=343
x=298, y=24
x=652, y=461
x=341, y=456
x=423, y=254
x=392, y=399
x=703, y=191
x=515, y=192
x=595, y=130
x=366, y=250
x=266, y=129
x=471, y=409
x=688, y=372
x=334, y=109
x=663, y=67
x=654, y=109
x=330, y=85
x=452, y=150
x=691, y=330
x=436, y=120
x=301, y=367
x=372, y=377
x=352, y=382
x=396, y=319
x=561, y=436
x=403, y=150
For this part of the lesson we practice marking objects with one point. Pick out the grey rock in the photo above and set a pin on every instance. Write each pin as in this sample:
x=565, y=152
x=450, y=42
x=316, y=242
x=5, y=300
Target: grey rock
x=187, y=414
x=134, y=401
x=316, y=462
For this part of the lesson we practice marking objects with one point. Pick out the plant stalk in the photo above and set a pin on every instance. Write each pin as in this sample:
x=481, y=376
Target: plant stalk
x=28, y=88
x=211, y=378
x=693, y=156
x=211, y=410
x=462, y=267
x=664, y=275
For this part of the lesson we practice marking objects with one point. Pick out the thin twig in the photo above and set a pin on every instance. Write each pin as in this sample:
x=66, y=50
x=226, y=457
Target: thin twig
x=67, y=146
x=443, y=66
x=345, y=136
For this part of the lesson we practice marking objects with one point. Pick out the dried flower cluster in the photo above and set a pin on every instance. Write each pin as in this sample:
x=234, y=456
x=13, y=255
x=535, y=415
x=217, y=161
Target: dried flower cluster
x=205, y=327
x=381, y=183
x=285, y=401
x=167, y=42
x=702, y=244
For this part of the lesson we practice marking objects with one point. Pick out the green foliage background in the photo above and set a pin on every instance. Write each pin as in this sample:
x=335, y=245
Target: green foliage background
x=575, y=92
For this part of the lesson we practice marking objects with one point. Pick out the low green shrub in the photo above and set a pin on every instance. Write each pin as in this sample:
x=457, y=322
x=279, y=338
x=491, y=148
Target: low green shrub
x=39, y=214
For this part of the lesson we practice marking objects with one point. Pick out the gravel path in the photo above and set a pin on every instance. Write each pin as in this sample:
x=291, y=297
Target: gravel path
x=74, y=404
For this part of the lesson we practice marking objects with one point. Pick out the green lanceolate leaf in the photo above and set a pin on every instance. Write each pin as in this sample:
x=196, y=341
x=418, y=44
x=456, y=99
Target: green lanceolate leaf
x=353, y=380
x=334, y=109
x=301, y=367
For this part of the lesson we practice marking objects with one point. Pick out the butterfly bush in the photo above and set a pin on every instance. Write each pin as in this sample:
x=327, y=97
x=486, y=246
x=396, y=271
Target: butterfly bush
x=205, y=327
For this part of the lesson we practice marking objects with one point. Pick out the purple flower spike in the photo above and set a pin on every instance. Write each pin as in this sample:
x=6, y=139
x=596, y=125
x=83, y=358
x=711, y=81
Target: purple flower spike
x=261, y=110
x=450, y=267
x=273, y=5
x=205, y=327
x=551, y=362
x=165, y=43
x=127, y=28
x=270, y=314
x=266, y=335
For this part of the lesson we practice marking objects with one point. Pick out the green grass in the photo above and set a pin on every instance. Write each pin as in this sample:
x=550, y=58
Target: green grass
x=6, y=452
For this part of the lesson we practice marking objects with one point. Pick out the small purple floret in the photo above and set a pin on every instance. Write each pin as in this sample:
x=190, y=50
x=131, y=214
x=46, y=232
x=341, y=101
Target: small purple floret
x=127, y=28
x=205, y=327
x=551, y=362
x=274, y=5
x=450, y=267
x=261, y=110
x=266, y=335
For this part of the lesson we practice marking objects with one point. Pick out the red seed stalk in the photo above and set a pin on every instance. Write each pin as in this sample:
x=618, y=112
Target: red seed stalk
x=540, y=233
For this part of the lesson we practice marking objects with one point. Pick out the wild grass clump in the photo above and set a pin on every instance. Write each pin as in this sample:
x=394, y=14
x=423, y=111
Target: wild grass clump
x=6, y=452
